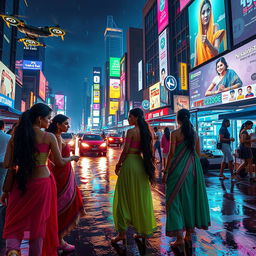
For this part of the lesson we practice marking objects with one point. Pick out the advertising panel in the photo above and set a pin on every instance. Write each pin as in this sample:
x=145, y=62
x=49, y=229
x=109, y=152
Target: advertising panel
x=60, y=101
x=162, y=14
x=123, y=85
x=157, y=113
x=207, y=29
x=42, y=86
x=114, y=89
x=23, y=106
x=183, y=4
x=32, y=65
x=154, y=96
x=7, y=86
x=19, y=71
x=96, y=87
x=180, y=102
x=183, y=76
x=113, y=107
x=96, y=107
x=140, y=76
x=243, y=19
x=96, y=96
x=230, y=78
x=163, y=67
x=114, y=67
x=96, y=113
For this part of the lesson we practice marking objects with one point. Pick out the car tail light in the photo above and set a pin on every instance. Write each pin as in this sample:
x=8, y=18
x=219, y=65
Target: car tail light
x=103, y=145
x=121, y=139
x=71, y=143
x=85, y=145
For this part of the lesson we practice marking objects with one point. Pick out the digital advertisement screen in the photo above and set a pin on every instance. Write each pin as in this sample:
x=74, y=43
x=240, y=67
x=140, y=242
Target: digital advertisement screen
x=243, y=19
x=60, y=101
x=154, y=96
x=184, y=3
x=163, y=67
x=7, y=86
x=96, y=96
x=96, y=106
x=114, y=88
x=230, y=78
x=114, y=67
x=42, y=86
x=96, y=87
x=113, y=107
x=207, y=30
x=180, y=102
x=123, y=85
x=19, y=71
x=140, y=76
x=32, y=65
x=162, y=14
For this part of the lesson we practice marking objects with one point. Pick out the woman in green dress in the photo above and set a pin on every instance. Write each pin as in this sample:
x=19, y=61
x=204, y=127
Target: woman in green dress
x=136, y=170
x=186, y=199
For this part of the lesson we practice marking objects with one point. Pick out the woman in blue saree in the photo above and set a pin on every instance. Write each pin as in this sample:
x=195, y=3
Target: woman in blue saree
x=186, y=199
x=226, y=80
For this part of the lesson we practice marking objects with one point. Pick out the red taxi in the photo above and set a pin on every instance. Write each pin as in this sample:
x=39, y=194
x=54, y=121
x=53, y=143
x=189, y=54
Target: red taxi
x=114, y=139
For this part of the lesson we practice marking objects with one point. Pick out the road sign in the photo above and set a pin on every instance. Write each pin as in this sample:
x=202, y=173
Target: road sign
x=170, y=83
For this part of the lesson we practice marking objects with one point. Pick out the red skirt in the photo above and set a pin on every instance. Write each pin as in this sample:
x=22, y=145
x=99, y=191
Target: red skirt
x=35, y=212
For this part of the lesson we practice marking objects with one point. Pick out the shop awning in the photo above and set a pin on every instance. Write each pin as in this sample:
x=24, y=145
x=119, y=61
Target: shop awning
x=9, y=113
x=246, y=113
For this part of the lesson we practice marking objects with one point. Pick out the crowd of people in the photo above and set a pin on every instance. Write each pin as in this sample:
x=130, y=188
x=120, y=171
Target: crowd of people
x=43, y=202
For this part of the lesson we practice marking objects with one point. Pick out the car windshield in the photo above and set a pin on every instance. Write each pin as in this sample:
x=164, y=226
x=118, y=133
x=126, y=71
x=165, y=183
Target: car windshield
x=114, y=135
x=66, y=135
x=92, y=137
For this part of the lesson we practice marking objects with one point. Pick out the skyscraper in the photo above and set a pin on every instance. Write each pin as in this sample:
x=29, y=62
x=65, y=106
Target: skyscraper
x=113, y=40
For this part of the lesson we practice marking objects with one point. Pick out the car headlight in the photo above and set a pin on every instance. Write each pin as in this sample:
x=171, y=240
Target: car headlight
x=103, y=145
x=71, y=143
x=85, y=145
x=110, y=139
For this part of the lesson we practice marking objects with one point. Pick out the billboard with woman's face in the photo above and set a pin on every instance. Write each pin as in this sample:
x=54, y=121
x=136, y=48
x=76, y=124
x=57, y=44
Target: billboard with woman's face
x=7, y=86
x=207, y=29
x=230, y=78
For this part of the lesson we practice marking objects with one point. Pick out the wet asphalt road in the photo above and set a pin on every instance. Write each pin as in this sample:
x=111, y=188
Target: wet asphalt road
x=232, y=205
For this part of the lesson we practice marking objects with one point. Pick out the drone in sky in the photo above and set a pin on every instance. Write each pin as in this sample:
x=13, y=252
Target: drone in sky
x=32, y=33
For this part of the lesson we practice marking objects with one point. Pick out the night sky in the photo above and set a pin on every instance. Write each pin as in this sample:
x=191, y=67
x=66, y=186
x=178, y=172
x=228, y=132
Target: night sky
x=69, y=61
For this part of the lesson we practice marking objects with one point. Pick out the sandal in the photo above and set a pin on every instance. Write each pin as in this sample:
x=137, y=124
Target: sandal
x=66, y=247
x=223, y=177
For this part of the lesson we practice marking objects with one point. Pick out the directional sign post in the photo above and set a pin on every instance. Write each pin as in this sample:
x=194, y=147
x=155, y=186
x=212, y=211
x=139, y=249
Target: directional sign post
x=170, y=83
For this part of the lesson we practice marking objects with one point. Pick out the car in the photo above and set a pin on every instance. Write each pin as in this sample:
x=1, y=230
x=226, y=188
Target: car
x=92, y=143
x=115, y=139
x=70, y=139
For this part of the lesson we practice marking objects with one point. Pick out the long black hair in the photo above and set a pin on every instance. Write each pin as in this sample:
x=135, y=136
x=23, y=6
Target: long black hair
x=187, y=128
x=58, y=119
x=147, y=144
x=246, y=124
x=167, y=133
x=224, y=122
x=25, y=143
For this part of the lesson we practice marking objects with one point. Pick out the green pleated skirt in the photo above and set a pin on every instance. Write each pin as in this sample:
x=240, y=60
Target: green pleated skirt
x=133, y=204
x=189, y=205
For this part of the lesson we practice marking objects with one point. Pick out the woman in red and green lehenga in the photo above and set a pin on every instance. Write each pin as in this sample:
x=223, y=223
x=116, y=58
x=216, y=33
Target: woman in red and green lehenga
x=133, y=204
x=69, y=199
x=186, y=199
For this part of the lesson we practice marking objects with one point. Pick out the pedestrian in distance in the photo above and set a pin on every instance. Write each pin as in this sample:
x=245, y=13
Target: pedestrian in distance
x=157, y=145
x=225, y=140
x=186, y=199
x=69, y=199
x=11, y=131
x=245, y=149
x=29, y=188
x=165, y=144
x=136, y=170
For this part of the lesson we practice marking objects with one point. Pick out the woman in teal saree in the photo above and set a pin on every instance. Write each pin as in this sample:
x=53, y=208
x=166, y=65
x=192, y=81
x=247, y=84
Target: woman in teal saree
x=186, y=199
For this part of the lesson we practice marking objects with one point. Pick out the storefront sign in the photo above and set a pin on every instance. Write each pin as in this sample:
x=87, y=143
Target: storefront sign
x=228, y=79
x=157, y=113
x=32, y=65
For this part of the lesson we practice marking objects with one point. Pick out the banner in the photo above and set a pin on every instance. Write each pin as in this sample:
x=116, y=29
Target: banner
x=163, y=67
x=230, y=78
x=42, y=86
x=96, y=96
x=183, y=76
x=180, y=102
x=114, y=89
x=183, y=4
x=162, y=15
x=113, y=107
